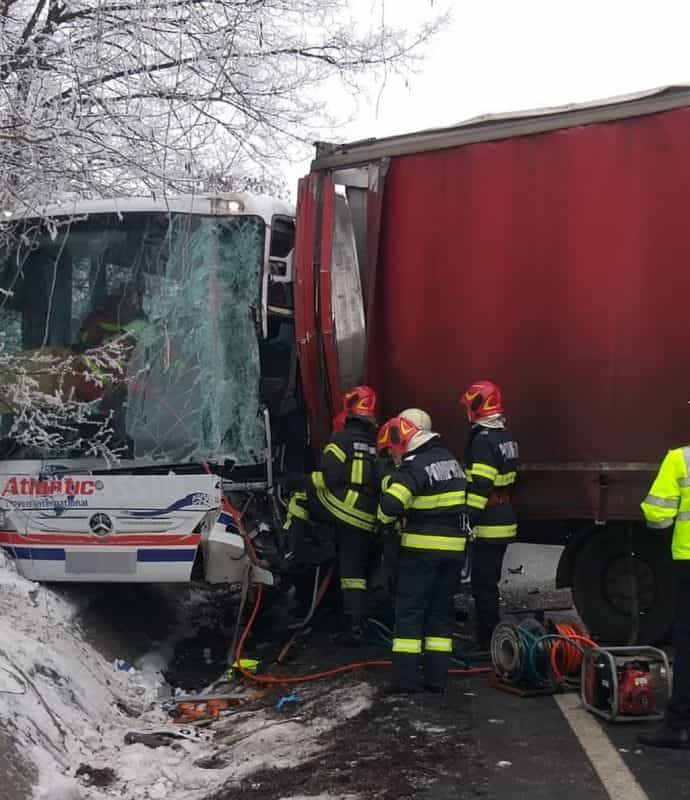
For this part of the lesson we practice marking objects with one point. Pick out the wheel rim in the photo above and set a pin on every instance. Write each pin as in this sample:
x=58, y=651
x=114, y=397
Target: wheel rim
x=617, y=588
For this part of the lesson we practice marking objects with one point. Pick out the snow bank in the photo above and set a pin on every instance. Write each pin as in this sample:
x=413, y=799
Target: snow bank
x=63, y=705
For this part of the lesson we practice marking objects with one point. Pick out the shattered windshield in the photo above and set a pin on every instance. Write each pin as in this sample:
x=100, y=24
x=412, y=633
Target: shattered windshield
x=179, y=293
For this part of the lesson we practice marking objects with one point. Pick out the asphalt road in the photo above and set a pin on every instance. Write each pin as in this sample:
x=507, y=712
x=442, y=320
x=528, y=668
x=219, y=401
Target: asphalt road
x=546, y=747
x=492, y=744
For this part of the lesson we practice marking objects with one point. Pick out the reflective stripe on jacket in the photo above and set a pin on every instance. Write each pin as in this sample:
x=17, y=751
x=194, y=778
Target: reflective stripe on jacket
x=346, y=482
x=669, y=500
x=492, y=461
x=429, y=490
x=297, y=509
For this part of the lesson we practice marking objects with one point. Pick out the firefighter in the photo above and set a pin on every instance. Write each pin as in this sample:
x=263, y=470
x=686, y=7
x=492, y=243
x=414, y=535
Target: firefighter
x=387, y=466
x=428, y=492
x=668, y=502
x=491, y=460
x=344, y=492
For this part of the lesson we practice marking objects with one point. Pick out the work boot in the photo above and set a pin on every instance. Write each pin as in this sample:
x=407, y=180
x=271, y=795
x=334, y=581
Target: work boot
x=675, y=738
x=353, y=635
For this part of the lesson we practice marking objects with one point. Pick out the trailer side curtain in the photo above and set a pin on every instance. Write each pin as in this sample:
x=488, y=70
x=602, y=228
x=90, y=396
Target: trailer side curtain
x=555, y=264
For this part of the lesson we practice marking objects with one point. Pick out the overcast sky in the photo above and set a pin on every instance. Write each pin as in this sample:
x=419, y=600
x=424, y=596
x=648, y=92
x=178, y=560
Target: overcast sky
x=506, y=55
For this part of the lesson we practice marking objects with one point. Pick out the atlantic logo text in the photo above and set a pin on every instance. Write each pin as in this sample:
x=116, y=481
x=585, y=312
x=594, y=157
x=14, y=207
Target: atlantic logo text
x=32, y=487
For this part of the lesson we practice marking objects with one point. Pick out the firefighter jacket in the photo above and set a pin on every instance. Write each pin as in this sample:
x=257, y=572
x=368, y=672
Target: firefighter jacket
x=492, y=459
x=346, y=482
x=429, y=490
x=669, y=500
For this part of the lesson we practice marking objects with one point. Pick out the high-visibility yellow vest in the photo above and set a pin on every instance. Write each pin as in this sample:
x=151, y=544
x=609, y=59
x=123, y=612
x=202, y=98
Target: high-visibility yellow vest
x=669, y=500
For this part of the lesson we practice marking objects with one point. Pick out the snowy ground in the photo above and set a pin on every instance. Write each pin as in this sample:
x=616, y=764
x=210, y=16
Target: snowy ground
x=65, y=706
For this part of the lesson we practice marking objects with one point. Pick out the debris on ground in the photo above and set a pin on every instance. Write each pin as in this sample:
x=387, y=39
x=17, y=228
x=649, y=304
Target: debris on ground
x=152, y=740
x=96, y=776
x=78, y=707
x=286, y=699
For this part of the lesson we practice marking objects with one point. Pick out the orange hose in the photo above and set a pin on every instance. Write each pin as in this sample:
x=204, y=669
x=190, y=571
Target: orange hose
x=274, y=680
x=566, y=659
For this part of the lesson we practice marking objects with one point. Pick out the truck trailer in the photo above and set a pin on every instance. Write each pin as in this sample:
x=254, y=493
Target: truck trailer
x=548, y=251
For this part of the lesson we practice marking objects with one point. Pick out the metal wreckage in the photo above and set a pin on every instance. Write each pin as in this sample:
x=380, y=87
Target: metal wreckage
x=247, y=324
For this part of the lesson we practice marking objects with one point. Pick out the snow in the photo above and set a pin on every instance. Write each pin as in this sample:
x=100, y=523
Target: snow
x=58, y=703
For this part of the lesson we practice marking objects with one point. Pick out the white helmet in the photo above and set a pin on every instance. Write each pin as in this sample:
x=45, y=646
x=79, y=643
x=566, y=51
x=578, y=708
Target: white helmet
x=420, y=438
x=420, y=418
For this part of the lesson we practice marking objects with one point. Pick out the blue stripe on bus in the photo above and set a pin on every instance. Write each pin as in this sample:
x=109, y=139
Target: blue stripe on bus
x=165, y=555
x=58, y=554
x=35, y=553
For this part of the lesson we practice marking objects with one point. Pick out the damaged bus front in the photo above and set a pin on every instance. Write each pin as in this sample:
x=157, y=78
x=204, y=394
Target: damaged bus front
x=148, y=360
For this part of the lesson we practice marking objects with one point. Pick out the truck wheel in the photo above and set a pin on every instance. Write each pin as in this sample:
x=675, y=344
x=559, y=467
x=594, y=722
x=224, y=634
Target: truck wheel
x=602, y=585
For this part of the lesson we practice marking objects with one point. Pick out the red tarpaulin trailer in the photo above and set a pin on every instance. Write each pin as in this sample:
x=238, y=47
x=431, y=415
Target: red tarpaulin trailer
x=548, y=252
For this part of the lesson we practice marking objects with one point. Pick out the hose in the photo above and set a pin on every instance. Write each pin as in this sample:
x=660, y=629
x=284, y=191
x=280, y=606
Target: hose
x=526, y=654
x=299, y=627
x=566, y=653
x=273, y=680
x=514, y=652
x=317, y=597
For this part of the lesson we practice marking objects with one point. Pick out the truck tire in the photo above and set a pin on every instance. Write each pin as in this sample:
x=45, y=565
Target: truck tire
x=602, y=586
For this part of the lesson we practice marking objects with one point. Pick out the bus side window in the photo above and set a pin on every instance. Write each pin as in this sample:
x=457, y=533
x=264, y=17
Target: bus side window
x=281, y=249
x=282, y=246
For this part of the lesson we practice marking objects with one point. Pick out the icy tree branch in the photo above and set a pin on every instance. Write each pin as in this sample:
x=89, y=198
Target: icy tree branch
x=42, y=390
x=100, y=98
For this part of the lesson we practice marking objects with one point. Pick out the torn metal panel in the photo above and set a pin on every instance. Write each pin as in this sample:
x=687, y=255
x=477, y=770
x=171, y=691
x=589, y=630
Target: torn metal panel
x=346, y=297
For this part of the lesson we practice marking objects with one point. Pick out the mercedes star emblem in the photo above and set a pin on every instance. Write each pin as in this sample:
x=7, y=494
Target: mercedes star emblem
x=101, y=524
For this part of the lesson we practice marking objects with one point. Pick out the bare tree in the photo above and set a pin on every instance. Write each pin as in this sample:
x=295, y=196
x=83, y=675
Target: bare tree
x=103, y=97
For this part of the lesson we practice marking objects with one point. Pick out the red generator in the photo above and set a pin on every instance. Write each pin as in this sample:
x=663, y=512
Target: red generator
x=625, y=684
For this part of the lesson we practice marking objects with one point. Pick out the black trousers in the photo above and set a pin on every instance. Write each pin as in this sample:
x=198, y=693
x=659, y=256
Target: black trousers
x=354, y=556
x=422, y=642
x=487, y=563
x=678, y=708
x=355, y=548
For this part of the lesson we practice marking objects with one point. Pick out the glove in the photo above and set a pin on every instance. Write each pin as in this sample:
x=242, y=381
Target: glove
x=293, y=481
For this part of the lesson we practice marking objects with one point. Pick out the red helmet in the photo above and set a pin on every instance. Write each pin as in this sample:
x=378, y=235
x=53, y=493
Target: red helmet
x=482, y=399
x=396, y=435
x=360, y=402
